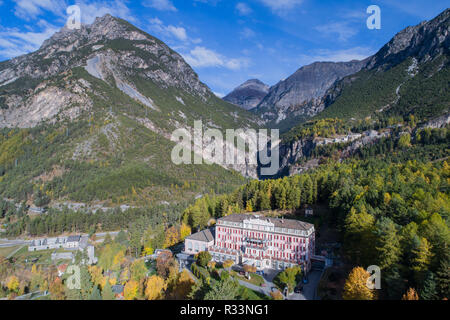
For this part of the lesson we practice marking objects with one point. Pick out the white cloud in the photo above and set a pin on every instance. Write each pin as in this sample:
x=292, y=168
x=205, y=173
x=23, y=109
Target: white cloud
x=325, y=55
x=243, y=9
x=220, y=94
x=162, y=5
x=30, y=9
x=171, y=32
x=178, y=32
x=14, y=43
x=341, y=29
x=247, y=33
x=280, y=6
x=201, y=57
x=91, y=10
x=210, y=2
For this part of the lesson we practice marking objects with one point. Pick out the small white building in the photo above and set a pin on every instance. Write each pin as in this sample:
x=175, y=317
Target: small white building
x=73, y=242
x=309, y=212
x=198, y=242
x=47, y=243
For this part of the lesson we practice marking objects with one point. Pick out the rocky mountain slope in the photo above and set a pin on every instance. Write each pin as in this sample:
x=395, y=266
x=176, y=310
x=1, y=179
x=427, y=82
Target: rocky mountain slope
x=296, y=95
x=248, y=95
x=409, y=75
x=89, y=116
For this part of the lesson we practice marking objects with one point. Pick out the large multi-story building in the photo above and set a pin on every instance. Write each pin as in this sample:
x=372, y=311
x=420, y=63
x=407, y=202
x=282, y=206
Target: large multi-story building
x=263, y=242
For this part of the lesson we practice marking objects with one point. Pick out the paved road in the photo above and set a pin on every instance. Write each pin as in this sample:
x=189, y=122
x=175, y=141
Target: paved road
x=12, y=243
x=309, y=289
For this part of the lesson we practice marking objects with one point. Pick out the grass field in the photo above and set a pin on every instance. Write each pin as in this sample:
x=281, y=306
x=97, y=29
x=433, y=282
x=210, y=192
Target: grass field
x=25, y=257
x=4, y=252
x=255, y=279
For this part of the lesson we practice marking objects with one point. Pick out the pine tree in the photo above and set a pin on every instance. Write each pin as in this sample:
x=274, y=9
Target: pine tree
x=95, y=295
x=223, y=290
x=359, y=235
x=421, y=257
x=86, y=283
x=121, y=237
x=107, y=293
x=72, y=294
x=443, y=277
x=264, y=201
x=388, y=244
x=395, y=284
x=107, y=240
x=429, y=291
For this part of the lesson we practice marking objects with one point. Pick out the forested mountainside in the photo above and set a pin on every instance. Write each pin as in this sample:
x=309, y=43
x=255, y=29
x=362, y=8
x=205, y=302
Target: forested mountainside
x=403, y=89
x=87, y=120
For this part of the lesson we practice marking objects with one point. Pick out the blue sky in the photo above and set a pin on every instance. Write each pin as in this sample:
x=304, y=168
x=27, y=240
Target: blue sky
x=230, y=41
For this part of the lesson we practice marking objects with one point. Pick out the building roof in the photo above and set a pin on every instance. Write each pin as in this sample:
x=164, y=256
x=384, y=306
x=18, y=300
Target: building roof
x=279, y=223
x=117, y=289
x=73, y=239
x=62, y=267
x=204, y=236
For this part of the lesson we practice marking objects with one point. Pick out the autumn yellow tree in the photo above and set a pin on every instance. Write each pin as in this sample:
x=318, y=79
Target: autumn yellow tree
x=125, y=275
x=185, y=231
x=212, y=265
x=172, y=237
x=422, y=255
x=249, y=206
x=356, y=288
x=148, y=250
x=57, y=290
x=411, y=294
x=130, y=292
x=118, y=260
x=154, y=288
x=276, y=295
x=138, y=270
x=96, y=275
x=183, y=286
x=228, y=264
x=13, y=284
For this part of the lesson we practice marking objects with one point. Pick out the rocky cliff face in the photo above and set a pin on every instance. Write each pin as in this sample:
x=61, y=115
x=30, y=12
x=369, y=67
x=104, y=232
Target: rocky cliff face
x=291, y=153
x=298, y=93
x=423, y=42
x=248, y=95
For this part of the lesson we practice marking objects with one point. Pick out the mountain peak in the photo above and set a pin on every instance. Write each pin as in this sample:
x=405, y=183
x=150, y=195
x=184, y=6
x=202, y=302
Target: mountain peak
x=249, y=94
x=423, y=41
x=308, y=83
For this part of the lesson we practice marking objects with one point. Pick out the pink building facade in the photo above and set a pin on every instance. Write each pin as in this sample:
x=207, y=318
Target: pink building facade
x=266, y=243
